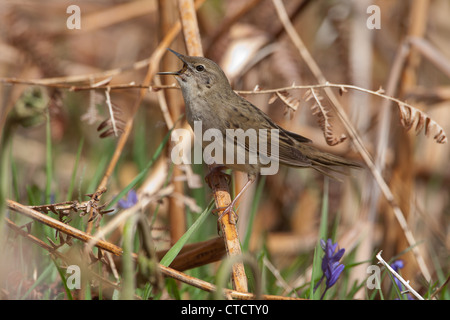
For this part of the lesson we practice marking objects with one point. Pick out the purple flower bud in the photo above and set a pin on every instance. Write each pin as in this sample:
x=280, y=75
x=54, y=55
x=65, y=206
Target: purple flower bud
x=130, y=201
x=331, y=267
x=397, y=265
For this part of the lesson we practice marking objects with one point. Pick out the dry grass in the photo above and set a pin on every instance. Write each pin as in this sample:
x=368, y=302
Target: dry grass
x=84, y=120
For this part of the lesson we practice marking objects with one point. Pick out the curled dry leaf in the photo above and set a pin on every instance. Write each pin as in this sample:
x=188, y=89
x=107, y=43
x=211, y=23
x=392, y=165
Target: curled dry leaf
x=324, y=120
x=289, y=100
x=108, y=128
x=410, y=116
x=273, y=98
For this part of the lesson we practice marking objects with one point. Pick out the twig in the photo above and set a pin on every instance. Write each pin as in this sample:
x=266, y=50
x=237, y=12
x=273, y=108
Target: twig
x=399, y=277
x=163, y=105
x=102, y=84
x=119, y=219
x=433, y=296
x=62, y=227
x=111, y=112
x=431, y=53
x=109, y=247
x=440, y=137
x=356, y=139
x=277, y=275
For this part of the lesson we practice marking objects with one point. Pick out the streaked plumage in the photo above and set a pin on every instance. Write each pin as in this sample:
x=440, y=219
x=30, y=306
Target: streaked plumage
x=209, y=98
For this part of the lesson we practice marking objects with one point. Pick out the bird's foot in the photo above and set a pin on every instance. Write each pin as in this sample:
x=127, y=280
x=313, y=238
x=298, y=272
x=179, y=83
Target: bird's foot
x=227, y=210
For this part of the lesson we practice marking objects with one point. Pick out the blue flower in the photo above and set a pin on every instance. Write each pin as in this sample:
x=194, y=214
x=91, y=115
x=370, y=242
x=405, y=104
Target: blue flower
x=331, y=267
x=397, y=265
x=130, y=201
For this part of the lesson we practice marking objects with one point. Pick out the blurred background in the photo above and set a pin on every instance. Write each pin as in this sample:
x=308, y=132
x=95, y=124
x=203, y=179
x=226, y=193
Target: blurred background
x=53, y=130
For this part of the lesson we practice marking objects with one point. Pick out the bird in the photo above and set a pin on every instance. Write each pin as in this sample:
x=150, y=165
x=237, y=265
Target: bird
x=210, y=99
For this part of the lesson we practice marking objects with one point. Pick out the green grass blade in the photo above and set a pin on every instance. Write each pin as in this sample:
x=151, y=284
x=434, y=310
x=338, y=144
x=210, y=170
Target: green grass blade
x=317, y=263
x=173, y=252
x=128, y=284
x=143, y=173
x=64, y=281
x=253, y=211
x=74, y=172
x=43, y=276
x=49, y=161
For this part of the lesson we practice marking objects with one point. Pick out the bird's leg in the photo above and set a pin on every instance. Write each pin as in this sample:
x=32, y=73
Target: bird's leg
x=229, y=209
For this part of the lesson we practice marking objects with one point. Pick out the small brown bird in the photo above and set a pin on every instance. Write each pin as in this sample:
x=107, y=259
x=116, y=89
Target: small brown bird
x=210, y=100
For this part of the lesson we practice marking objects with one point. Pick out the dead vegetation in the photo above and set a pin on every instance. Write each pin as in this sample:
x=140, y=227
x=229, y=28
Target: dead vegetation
x=85, y=121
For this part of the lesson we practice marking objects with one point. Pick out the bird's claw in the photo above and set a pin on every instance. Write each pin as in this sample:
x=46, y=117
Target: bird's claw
x=227, y=210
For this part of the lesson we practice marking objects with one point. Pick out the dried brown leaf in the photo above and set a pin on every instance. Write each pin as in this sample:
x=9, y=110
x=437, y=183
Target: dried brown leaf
x=289, y=100
x=324, y=121
x=410, y=116
x=108, y=127
x=273, y=98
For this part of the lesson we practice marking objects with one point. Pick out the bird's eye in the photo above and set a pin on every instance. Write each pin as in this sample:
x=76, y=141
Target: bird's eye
x=200, y=68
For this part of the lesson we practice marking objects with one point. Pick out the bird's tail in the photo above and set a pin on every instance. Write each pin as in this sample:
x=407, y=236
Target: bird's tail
x=325, y=162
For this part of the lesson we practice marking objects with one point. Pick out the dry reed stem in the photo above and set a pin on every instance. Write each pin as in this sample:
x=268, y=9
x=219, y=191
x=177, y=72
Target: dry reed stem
x=57, y=254
x=402, y=174
x=116, y=14
x=218, y=182
x=62, y=227
x=228, y=22
x=357, y=141
x=430, y=53
x=109, y=247
x=52, y=83
x=197, y=254
x=32, y=238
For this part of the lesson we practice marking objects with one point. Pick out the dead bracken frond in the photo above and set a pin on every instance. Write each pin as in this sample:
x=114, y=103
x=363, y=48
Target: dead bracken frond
x=289, y=101
x=323, y=116
x=115, y=124
x=410, y=116
x=63, y=209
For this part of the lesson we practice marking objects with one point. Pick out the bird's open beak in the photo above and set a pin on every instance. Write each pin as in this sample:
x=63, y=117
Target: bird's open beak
x=179, y=72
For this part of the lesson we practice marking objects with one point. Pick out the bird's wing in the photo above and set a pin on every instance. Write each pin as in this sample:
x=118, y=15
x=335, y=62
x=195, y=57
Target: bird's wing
x=287, y=153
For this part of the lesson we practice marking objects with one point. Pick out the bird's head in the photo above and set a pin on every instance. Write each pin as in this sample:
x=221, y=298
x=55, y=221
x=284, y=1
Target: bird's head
x=199, y=74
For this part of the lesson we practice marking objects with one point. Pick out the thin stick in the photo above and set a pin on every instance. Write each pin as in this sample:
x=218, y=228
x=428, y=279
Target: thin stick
x=109, y=247
x=352, y=133
x=399, y=277
x=62, y=227
x=441, y=137
x=111, y=112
